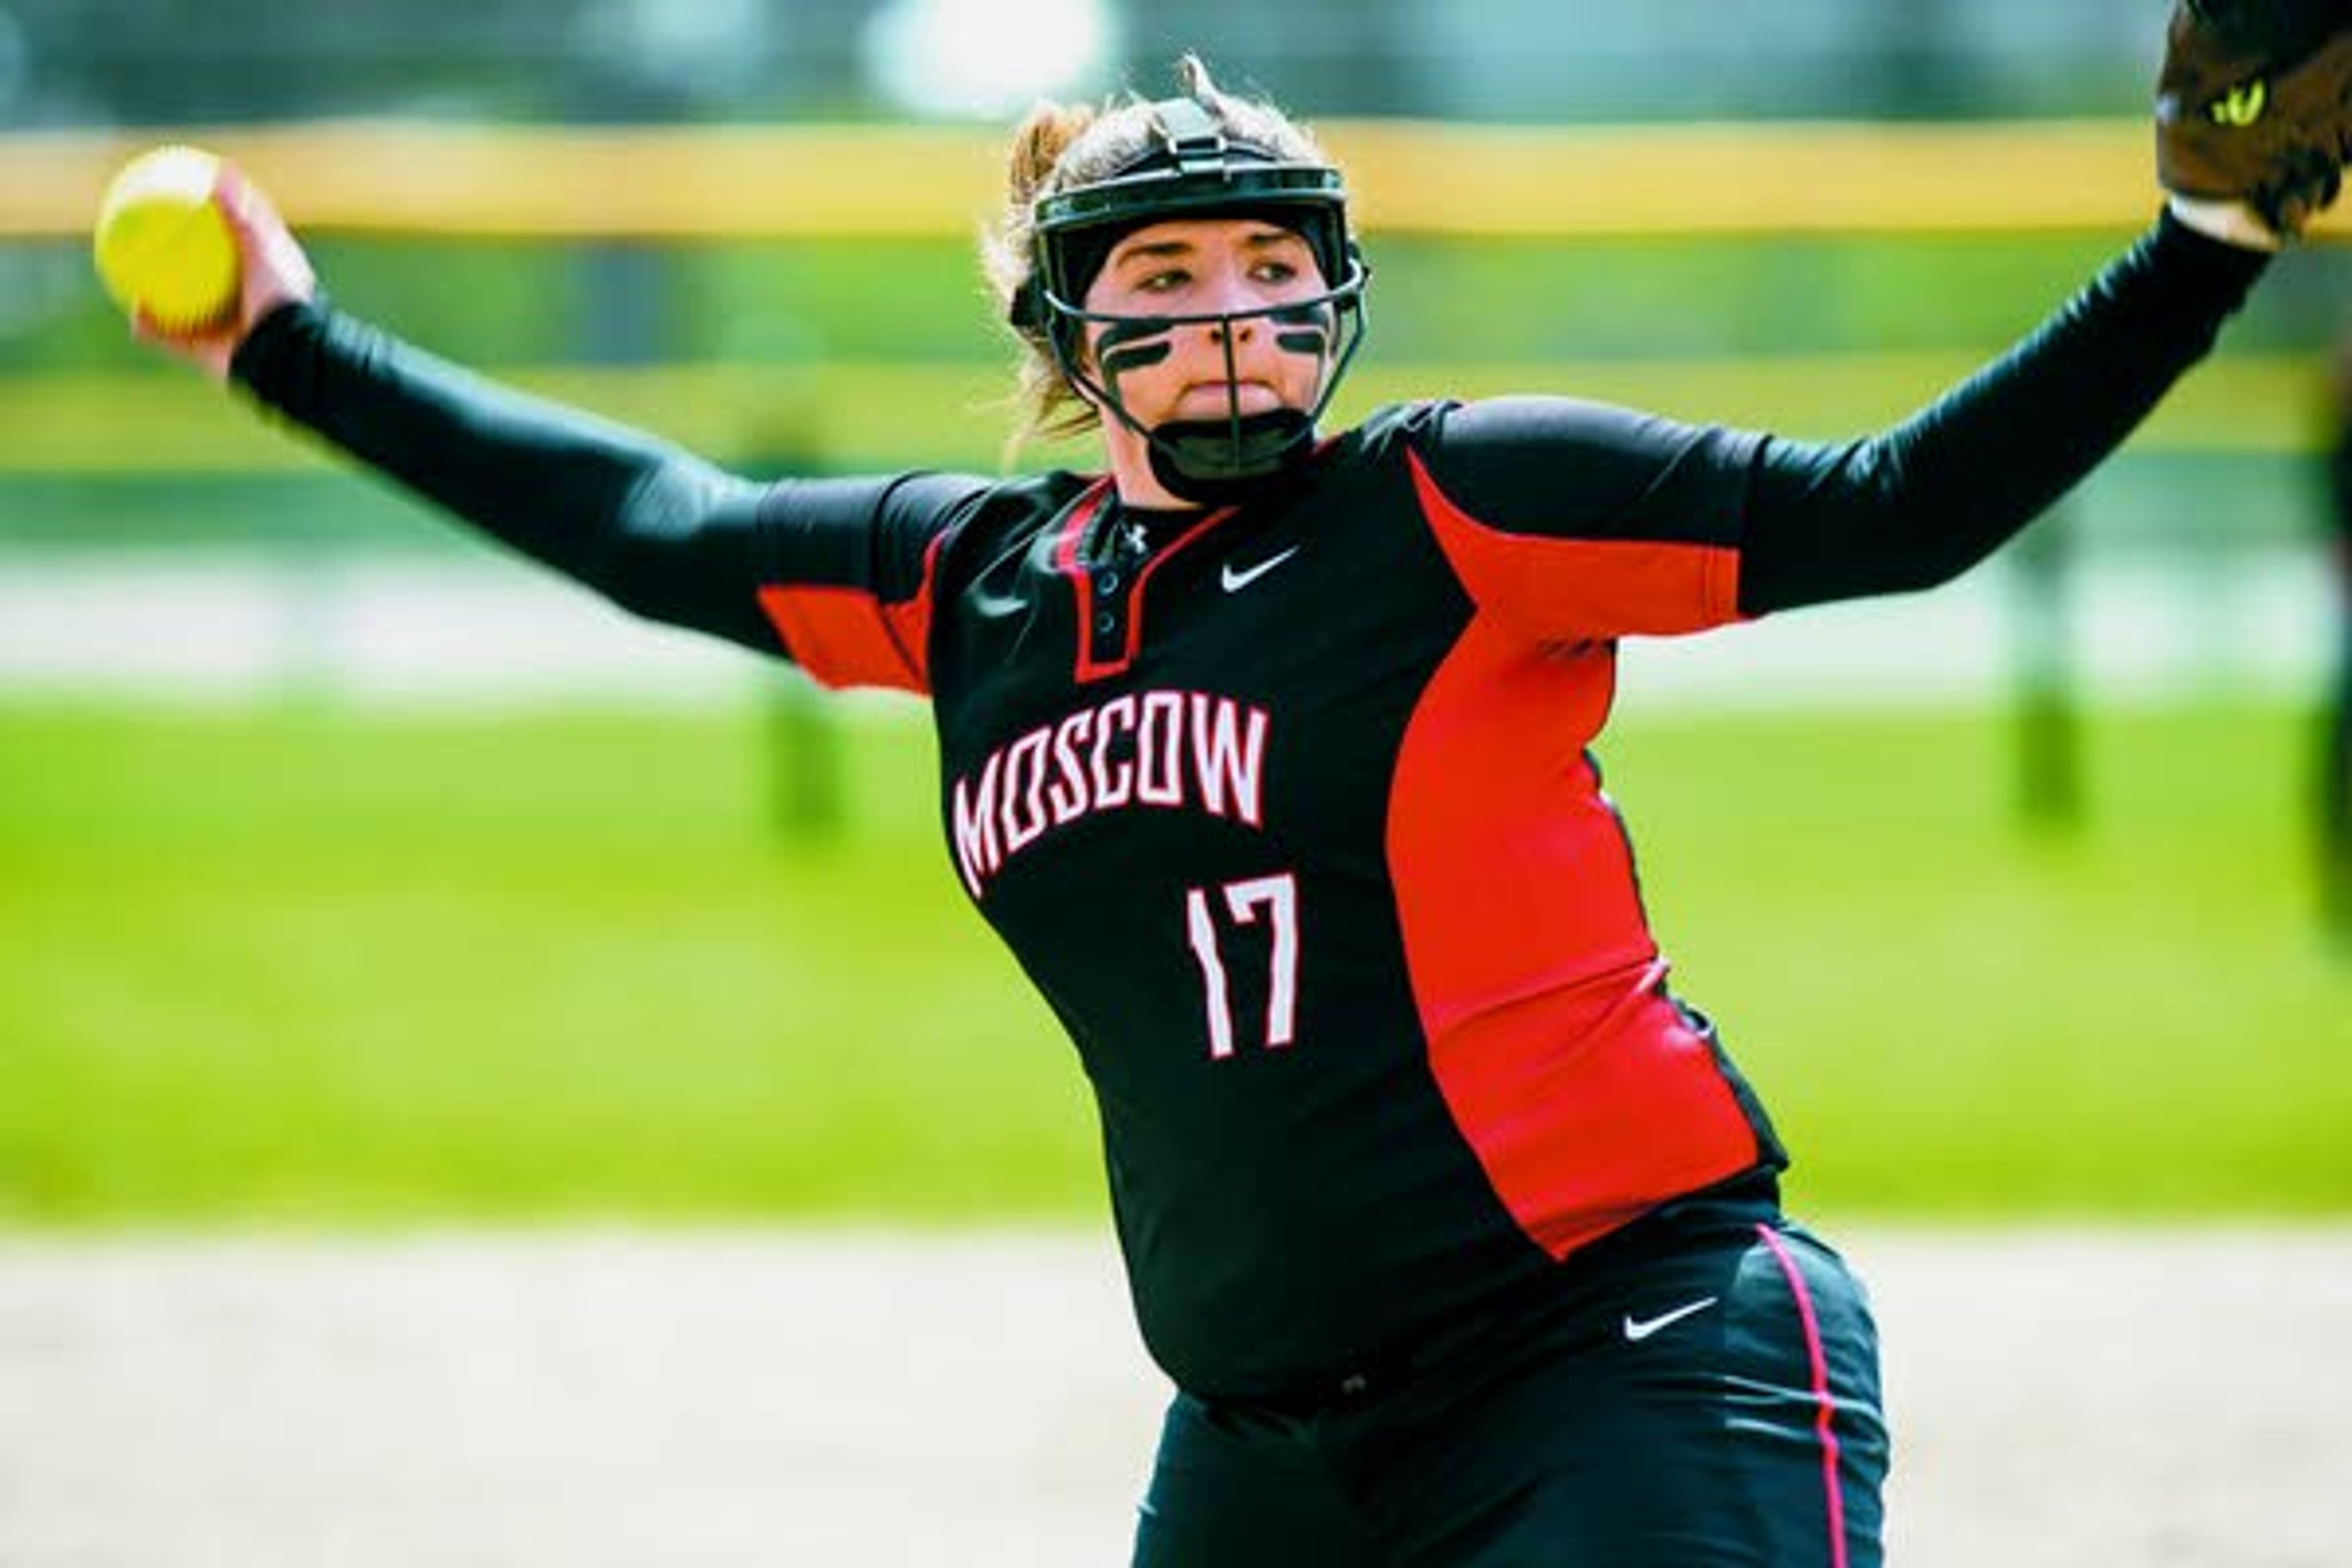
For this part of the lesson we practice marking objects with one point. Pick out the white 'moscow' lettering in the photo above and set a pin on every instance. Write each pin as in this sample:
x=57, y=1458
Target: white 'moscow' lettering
x=1164, y=749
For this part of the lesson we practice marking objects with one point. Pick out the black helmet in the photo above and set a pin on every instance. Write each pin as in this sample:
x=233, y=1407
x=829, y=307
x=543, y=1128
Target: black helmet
x=1192, y=169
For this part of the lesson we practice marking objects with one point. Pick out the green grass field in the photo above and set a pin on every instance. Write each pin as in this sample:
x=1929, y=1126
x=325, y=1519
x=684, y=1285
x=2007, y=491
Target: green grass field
x=307, y=966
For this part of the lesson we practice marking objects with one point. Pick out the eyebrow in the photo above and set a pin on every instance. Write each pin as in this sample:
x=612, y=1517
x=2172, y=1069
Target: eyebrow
x=1157, y=251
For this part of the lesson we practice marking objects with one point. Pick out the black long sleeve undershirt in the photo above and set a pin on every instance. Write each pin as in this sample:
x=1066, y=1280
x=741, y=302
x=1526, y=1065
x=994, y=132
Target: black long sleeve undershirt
x=1922, y=503
x=657, y=530
x=672, y=537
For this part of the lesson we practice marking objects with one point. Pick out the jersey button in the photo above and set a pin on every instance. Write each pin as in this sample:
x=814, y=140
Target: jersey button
x=1105, y=623
x=1107, y=582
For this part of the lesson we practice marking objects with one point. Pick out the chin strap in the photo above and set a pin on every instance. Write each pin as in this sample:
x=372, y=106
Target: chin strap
x=1216, y=460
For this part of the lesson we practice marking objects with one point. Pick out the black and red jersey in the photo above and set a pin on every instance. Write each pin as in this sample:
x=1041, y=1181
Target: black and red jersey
x=1288, y=808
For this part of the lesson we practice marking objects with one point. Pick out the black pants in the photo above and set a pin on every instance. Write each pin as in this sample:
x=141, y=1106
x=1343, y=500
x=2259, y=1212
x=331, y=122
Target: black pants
x=1704, y=1394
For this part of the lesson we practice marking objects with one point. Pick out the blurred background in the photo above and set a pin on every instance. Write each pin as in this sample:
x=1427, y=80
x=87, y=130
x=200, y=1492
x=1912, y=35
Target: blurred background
x=351, y=873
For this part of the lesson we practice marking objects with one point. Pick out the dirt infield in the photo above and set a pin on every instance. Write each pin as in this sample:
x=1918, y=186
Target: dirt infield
x=2128, y=1400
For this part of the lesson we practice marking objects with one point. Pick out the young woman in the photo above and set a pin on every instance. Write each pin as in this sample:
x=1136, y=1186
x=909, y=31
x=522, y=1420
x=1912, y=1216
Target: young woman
x=1265, y=752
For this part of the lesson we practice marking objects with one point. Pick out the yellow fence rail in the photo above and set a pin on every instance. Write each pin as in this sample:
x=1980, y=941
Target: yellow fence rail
x=1437, y=179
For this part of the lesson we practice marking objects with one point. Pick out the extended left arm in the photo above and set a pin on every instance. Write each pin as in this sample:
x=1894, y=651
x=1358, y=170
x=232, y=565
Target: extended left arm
x=1922, y=503
x=2253, y=127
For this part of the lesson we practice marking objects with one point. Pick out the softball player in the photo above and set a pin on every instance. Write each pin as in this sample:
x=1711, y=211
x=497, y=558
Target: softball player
x=1267, y=754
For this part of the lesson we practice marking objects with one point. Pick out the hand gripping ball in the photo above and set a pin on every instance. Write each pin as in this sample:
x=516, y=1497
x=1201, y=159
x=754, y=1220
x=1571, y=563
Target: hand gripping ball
x=162, y=244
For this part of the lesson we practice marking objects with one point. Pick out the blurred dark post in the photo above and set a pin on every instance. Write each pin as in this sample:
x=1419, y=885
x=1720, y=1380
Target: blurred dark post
x=2336, y=750
x=634, y=295
x=800, y=726
x=801, y=732
x=2049, y=710
x=805, y=759
x=631, y=291
x=1911, y=61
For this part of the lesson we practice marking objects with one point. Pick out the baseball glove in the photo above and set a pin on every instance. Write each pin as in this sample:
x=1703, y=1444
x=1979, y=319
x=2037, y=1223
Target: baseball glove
x=2254, y=105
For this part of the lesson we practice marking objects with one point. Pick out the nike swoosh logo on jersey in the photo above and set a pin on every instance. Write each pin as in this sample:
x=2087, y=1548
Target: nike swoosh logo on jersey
x=1236, y=582
x=1640, y=1329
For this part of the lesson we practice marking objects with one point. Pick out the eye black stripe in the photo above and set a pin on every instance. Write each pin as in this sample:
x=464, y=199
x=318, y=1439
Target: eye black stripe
x=1134, y=356
x=1128, y=328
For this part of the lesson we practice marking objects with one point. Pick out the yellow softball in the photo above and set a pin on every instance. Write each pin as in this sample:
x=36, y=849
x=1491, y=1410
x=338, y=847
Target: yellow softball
x=161, y=243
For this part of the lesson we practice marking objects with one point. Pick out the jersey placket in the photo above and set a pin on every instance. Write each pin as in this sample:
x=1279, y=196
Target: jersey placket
x=1109, y=561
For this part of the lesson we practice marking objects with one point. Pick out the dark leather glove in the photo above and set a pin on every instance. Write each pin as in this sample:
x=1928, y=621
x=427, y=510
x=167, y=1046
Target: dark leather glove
x=2255, y=106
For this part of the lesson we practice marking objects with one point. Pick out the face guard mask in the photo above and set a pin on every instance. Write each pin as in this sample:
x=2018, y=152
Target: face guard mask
x=1197, y=172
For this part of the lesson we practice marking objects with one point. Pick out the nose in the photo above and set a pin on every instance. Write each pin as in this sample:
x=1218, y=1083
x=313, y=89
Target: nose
x=1229, y=292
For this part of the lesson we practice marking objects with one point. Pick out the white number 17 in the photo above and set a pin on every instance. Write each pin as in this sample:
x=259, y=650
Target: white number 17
x=1279, y=897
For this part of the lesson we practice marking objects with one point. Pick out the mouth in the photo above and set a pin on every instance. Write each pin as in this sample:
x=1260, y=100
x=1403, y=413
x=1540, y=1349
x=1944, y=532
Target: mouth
x=1215, y=399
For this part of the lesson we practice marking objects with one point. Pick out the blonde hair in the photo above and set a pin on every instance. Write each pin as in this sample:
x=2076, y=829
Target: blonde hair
x=1059, y=146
